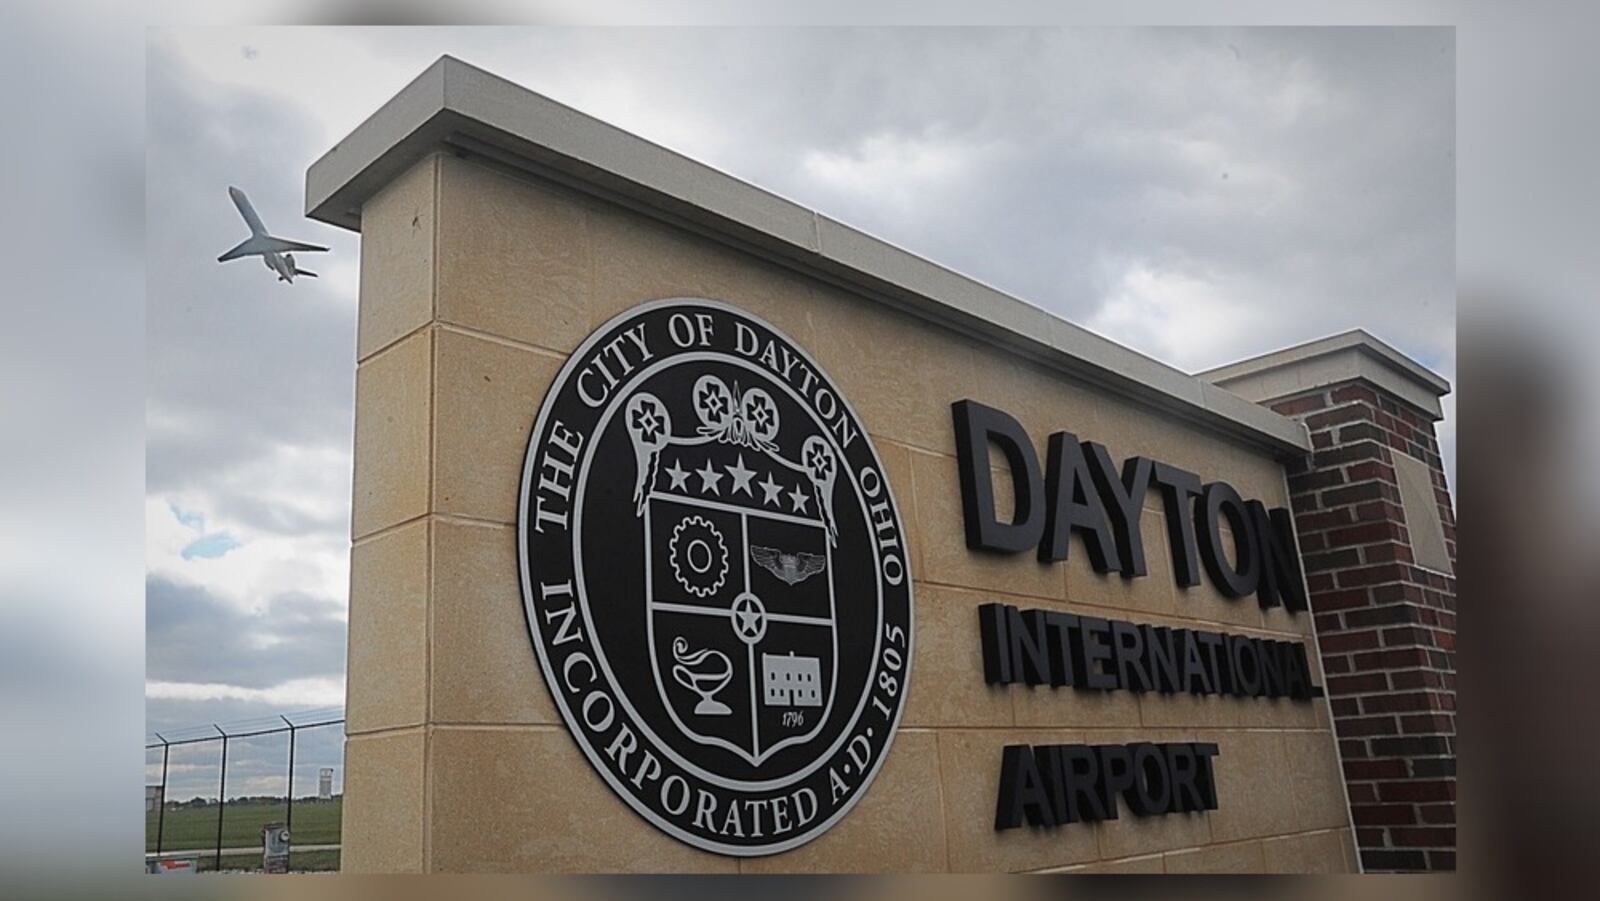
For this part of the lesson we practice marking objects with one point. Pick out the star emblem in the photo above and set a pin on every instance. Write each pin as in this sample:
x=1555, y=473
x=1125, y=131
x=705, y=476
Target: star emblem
x=709, y=478
x=799, y=498
x=749, y=621
x=770, y=491
x=749, y=618
x=741, y=477
x=679, y=476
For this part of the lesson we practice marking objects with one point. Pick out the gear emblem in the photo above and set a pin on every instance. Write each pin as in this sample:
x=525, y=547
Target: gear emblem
x=699, y=556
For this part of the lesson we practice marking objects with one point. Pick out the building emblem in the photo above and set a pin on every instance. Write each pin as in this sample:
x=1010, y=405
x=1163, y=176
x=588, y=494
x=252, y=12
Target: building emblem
x=715, y=577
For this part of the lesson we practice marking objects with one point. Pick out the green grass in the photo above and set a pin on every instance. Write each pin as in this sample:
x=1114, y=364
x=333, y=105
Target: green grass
x=315, y=823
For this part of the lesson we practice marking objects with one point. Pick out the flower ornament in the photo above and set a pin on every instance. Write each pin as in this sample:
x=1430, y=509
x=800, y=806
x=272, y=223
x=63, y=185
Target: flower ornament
x=821, y=464
x=647, y=422
x=713, y=404
x=819, y=460
x=760, y=415
x=650, y=426
x=716, y=404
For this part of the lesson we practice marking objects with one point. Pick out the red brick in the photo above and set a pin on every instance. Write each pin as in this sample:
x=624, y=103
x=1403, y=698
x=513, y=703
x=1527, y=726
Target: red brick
x=1379, y=510
x=1433, y=767
x=1423, y=837
x=1382, y=860
x=1370, y=469
x=1427, y=724
x=1364, y=683
x=1343, y=558
x=1362, y=793
x=1348, y=641
x=1344, y=706
x=1372, y=575
x=1387, y=594
x=1348, y=393
x=1322, y=520
x=1437, y=813
x=1338, y=416
x=1413, y=792
x=1367, y=533
x=1412, y=746
x=1353, y=749
x=1366, y=431
x=1375, y=769
x=1414, y=418
x=1383, y=814
x=1415, y=679
x=1344, y=599
x=1398, y=703
x=1366, y=727
x=1395, y=658
x=1351, y=449
x=1392, y=552
x=1387, y=615
x=1370, y=838
x=1357, y=494
x=1405, y=636
x=1316, y=480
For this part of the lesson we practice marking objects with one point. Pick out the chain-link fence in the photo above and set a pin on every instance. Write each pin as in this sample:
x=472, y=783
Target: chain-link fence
x=211, y=791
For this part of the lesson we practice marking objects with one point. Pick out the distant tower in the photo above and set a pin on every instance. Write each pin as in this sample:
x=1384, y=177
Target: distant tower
x=325, y=784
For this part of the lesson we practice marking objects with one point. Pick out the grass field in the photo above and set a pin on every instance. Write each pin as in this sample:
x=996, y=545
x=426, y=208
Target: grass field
x=315, y=823
x=299, y=862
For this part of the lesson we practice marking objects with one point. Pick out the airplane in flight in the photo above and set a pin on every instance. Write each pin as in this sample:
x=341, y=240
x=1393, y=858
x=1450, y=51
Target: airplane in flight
x=274, y=252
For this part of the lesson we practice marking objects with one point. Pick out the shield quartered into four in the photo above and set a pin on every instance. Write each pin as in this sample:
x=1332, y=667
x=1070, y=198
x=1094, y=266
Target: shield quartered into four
x=740, y=590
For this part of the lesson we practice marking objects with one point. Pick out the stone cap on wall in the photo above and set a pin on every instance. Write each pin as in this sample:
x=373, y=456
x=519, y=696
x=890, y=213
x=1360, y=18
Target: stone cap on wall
x=1355, y=354
x=458, y=108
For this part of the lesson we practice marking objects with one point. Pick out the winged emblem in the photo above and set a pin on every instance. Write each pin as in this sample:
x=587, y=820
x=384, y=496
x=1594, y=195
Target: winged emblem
x=791, y=568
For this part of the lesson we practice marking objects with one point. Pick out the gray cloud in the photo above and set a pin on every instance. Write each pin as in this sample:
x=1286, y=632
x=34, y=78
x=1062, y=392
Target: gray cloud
x=1082, y=141
x=191, y=636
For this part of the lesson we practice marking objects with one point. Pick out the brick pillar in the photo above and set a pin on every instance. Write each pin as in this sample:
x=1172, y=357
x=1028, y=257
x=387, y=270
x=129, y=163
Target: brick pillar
x=1380, y=573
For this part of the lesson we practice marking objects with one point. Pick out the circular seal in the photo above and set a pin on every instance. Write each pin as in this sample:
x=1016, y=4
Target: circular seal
x=715, y=577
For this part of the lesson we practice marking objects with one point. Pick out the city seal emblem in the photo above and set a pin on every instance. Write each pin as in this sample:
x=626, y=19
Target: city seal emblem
x=715, y=577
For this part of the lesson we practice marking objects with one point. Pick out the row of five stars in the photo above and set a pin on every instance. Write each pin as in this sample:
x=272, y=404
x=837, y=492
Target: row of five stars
x=709, y=477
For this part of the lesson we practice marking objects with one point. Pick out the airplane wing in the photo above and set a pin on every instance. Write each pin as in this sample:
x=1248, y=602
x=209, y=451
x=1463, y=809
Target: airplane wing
x=267, y=244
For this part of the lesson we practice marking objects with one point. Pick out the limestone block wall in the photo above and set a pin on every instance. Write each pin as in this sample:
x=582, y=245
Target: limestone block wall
x=476, y=284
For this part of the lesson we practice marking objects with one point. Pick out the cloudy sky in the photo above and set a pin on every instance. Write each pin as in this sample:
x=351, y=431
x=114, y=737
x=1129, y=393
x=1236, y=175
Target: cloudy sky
x=1200, y=195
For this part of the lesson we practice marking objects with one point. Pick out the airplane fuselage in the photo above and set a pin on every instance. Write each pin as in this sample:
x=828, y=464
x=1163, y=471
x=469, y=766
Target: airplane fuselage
x=278, y=264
